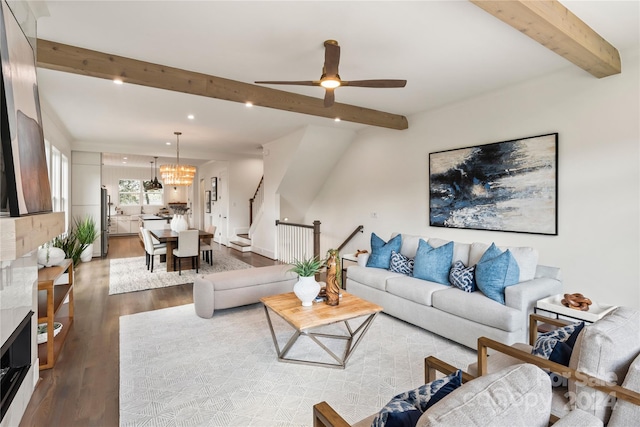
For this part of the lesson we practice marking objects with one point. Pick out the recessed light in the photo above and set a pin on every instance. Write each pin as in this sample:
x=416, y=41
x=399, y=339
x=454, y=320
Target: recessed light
x=168, y=143
x=190, y=117
x=337, y=119
x=124, y=158
x=118, y=81
x=248, y=104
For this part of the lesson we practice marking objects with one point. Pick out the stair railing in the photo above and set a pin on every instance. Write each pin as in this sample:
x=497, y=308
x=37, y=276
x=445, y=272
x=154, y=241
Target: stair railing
x=255, y=203
x=298, y=241
x=359, y=229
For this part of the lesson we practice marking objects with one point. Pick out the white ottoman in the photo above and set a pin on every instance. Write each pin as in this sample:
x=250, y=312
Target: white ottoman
x=240, y=287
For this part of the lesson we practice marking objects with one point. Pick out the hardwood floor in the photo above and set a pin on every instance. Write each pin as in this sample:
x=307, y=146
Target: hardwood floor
x=82, y=388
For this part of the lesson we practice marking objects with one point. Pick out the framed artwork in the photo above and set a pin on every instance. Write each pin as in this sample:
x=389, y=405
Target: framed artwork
x=208, y=201
x=503, y=186
x=24, y=187
x=214, y=189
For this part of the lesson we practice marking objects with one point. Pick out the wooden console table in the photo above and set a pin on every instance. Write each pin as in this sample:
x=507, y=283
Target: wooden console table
x=51, y=298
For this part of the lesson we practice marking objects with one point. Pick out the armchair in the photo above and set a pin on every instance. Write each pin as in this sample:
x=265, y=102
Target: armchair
x=604, y=354
x=517, y=395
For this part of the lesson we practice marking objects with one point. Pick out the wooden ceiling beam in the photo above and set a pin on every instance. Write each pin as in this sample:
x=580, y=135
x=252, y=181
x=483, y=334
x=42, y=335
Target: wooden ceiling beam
x=556, y=28
x=72, y=59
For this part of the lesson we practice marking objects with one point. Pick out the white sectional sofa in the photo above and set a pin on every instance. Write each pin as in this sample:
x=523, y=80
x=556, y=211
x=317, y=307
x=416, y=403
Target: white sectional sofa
x=449, y=311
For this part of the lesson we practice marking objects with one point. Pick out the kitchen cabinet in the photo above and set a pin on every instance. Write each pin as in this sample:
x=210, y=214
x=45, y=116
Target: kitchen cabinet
x=124, y=224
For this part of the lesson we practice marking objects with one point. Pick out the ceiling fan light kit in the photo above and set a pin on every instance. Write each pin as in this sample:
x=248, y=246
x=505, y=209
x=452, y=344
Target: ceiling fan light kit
x=331, y=80
x=177, y=174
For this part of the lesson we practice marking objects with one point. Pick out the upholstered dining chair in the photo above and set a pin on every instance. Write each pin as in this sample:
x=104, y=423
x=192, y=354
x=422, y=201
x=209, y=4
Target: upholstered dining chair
x=188, y=247
x=207, y=247
x=150, y=248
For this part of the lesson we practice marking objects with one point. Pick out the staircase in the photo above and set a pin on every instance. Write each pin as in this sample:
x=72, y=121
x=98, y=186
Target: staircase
x=242, y=243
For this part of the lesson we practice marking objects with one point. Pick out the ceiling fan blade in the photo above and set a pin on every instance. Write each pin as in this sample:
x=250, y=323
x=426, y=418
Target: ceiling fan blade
x=300, y=83
x=331, y=58
x=375, y=83
x=329, y=97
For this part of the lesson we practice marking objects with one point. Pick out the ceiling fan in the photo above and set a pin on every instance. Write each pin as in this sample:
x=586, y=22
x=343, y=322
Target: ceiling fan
x=330, y=78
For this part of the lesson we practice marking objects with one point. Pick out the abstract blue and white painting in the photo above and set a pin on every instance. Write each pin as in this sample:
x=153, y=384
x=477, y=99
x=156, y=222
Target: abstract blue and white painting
x=504, y=186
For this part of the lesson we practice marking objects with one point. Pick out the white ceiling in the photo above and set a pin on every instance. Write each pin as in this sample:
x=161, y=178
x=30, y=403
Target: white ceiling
x=446, y=50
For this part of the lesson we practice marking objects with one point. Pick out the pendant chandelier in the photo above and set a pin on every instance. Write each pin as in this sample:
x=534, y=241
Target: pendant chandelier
x=153, y=184
x=177, y=174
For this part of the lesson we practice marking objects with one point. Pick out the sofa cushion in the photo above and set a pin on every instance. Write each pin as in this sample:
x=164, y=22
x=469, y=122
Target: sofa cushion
x=409, y=244
x=526, y=257
x=605, y=350
x=477, y=308
x=412, y=289
x=433, y=264
x=495, y=271
x=401, y=264
x=463, y=277
x=404, y=409
x=517, y=396
x=460, y=250
x=381, y=251
x=373, y=277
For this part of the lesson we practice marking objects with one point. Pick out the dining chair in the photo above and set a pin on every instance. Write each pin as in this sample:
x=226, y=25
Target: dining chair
x=152, y=249
x=188, y=246
x=207, y=248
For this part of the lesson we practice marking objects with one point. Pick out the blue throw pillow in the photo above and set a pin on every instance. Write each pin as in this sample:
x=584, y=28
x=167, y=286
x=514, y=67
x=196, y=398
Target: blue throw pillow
x=405, y=409
x=495, y=272
x=381, y=251
x=433, y=264
x=401, y=264
x=462, y=277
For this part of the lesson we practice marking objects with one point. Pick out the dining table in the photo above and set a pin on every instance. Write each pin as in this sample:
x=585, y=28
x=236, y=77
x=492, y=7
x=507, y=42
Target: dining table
x=170, y=237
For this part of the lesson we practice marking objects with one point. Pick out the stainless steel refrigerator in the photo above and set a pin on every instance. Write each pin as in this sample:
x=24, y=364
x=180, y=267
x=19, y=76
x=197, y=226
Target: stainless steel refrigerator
x=105, y=218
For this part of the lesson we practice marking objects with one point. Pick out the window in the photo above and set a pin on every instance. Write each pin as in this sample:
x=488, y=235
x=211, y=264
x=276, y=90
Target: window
x=132, y=192
x=58, y=167
x=129, y=192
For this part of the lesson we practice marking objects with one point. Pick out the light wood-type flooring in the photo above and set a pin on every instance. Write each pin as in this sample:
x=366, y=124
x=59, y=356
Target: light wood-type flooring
x=82, y=389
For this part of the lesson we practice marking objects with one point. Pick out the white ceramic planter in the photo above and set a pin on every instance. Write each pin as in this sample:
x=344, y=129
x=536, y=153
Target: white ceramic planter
x=179, y=223
x=306, y=289
x=87, y=253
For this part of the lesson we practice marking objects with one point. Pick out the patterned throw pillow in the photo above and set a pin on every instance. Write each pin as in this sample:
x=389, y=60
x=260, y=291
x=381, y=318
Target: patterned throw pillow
x=557, y=346
x=401, y=264
x=463, y=277
x=405, y=409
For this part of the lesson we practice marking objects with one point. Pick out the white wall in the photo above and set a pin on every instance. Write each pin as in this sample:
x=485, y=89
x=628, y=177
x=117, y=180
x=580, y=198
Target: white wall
x=597, y=246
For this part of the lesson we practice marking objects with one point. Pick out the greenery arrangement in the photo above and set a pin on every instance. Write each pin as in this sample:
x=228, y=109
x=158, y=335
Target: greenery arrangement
x=85, y=230
x=307, y=267
x=82, y=234
x=69, y=244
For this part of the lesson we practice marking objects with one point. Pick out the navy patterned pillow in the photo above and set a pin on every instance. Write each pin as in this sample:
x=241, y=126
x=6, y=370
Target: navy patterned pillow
x=401, y=264
x=462, y=277
x=405, y=409
x=547, y=342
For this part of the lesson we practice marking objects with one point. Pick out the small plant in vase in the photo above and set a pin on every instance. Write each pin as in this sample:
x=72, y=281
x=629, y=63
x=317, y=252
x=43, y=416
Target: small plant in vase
x=307, y=289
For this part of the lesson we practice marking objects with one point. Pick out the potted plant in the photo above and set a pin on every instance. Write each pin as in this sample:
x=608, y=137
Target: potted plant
x=69, y=244
x=86, y=233
x=306, y=288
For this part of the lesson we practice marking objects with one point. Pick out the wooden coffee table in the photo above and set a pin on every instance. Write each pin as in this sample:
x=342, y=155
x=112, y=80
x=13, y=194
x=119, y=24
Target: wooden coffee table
x=304, y=319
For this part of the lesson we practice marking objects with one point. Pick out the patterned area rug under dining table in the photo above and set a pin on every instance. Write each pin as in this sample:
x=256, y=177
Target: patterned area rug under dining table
x=131, y=274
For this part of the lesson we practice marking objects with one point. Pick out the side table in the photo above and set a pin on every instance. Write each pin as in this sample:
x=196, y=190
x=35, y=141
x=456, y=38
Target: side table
x=351, y=258
x=51, y=298
x=553, y=306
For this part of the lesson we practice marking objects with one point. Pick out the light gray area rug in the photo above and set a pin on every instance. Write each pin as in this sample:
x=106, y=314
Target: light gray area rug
x=131, y=274
x=177, y=369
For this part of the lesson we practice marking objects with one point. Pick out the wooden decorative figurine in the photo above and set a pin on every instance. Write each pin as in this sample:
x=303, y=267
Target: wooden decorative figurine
x=333, y=277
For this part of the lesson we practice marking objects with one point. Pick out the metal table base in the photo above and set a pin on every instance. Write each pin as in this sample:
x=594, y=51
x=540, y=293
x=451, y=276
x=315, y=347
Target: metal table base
x=341, y=362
